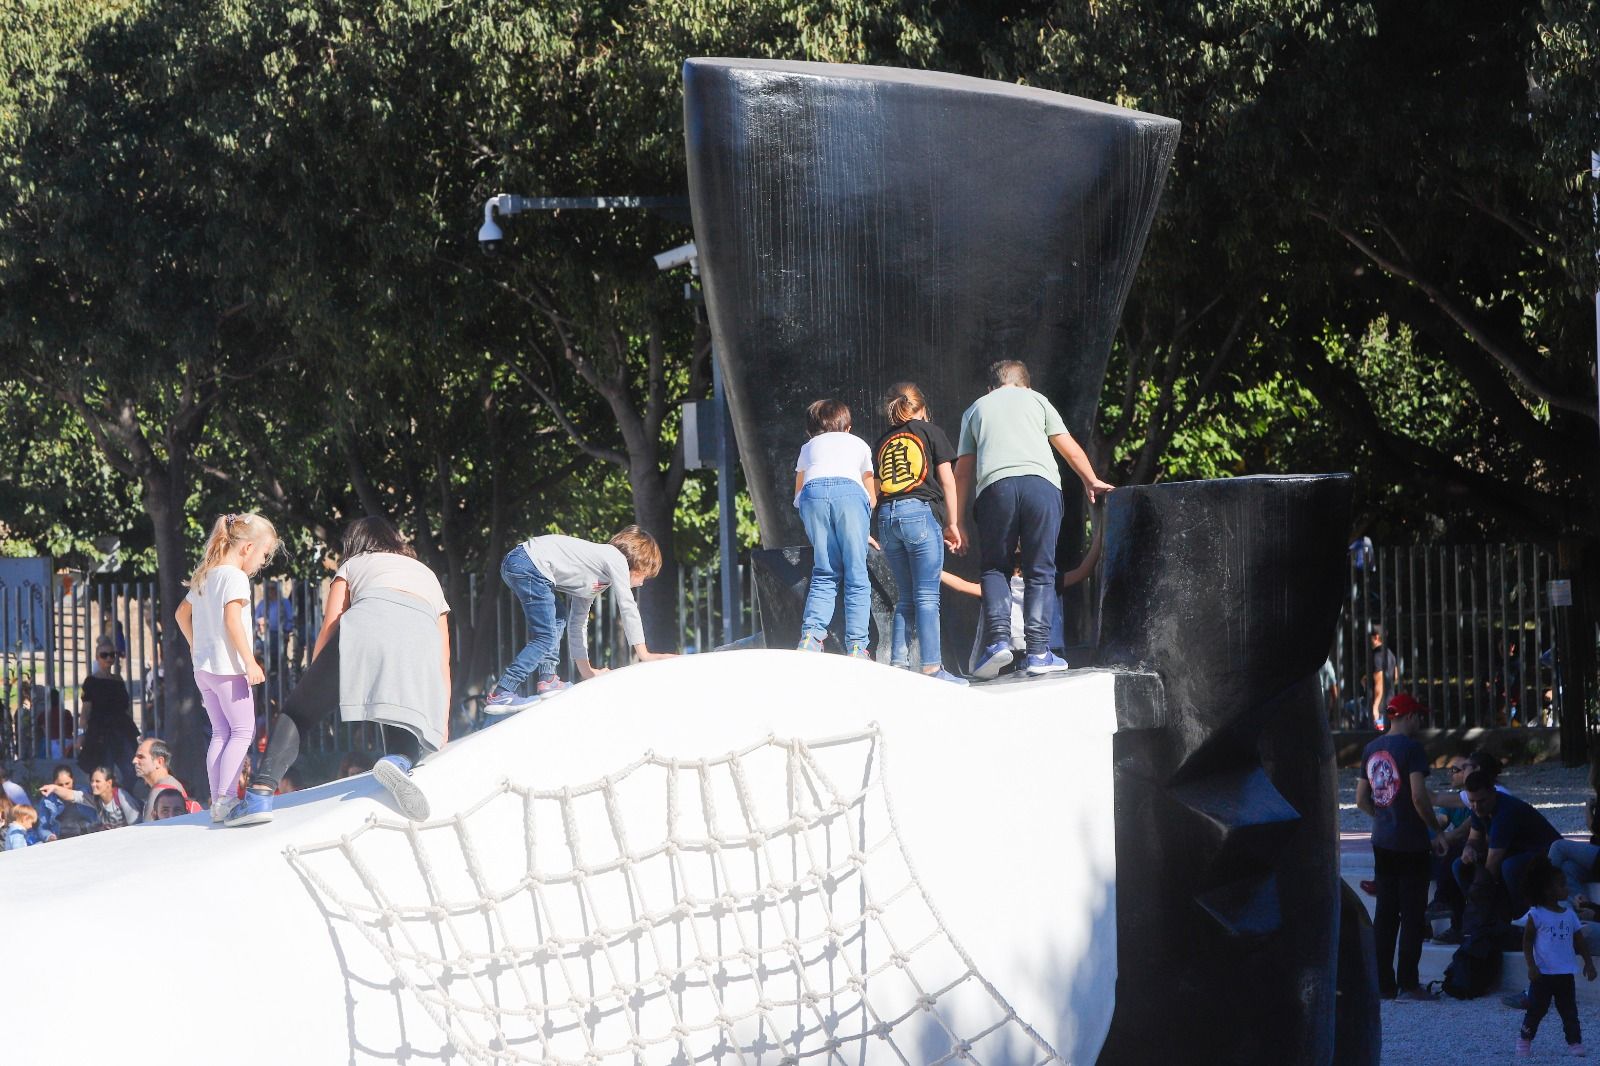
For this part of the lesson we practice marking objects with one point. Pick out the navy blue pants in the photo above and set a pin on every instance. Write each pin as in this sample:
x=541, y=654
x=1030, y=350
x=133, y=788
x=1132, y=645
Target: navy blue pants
x=1019, y=519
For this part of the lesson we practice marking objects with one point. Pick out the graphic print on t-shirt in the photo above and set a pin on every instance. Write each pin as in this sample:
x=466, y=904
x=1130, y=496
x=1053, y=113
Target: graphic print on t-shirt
x=1384, y=777
x=902, y=464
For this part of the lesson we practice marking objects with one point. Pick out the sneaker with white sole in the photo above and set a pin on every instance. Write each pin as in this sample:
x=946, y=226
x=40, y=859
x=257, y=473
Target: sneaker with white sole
x=1046, y=662
x=995, y=657
x=221, y=806
x=254, y=809
x=394, y=773
x=546, y=687
x=498, y=702
x=942, y=674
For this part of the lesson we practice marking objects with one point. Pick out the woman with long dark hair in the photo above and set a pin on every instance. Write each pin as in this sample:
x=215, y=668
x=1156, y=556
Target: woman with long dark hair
x=383, y=656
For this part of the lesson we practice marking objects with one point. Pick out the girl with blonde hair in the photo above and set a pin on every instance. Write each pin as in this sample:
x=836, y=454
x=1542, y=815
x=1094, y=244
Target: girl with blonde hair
x=212, y=617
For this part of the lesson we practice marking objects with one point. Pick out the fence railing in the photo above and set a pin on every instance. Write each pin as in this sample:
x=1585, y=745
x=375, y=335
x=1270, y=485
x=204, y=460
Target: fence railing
x=1472, y=627
x=50, y=635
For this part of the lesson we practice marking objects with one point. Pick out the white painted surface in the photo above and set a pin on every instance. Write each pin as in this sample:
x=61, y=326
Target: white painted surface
x=1003, y=797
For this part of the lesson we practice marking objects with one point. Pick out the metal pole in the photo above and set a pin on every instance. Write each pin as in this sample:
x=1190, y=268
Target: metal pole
x=726, y=449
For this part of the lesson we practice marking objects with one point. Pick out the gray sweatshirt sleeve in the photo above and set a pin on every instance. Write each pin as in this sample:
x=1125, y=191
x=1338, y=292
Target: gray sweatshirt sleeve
x=578, y=627
x=622, y=589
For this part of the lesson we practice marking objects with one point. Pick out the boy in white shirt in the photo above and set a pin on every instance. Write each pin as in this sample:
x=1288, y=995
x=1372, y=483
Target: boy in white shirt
x=581, y=571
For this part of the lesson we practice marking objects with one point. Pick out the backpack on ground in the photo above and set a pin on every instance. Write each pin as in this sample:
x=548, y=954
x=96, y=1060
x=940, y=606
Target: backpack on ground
x=1475, y=967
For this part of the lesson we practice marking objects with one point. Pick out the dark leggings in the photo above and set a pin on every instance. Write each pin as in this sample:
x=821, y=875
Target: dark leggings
x=313, y=700
x=1560, y=987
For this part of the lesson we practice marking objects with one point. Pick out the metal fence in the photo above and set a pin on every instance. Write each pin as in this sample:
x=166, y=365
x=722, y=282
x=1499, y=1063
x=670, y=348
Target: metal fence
x=48, y=637
x=1472, y=626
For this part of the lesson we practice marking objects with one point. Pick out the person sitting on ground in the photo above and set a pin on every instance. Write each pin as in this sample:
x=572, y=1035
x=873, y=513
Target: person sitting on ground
x=1506, y=834
x=1552, y=943
x=1578, y=861
x=151, y=762
x=113, y=807
x=539, y=568
x=168, y=803
x=58, y=813
x=1392, y=789
x=1004, y=457
x=13, y=791
x=1457, y=810
x=21, y=821
x=383, y=656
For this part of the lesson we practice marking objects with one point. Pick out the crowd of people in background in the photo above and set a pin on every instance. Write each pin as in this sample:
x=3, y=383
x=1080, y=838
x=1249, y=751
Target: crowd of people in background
x=1493, y=862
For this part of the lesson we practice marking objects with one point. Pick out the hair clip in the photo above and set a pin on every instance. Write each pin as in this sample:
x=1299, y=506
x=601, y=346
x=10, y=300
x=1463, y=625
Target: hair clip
x=227, y=520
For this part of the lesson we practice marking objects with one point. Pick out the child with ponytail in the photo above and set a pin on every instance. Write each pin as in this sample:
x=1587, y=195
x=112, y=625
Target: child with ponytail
x=918, y=518
x=212, y=617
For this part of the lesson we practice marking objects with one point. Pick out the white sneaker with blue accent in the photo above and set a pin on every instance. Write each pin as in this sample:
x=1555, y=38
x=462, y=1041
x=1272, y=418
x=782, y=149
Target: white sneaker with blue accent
x=995, y=657
x=1046, y=662
x=394, y=773
x=499, y=702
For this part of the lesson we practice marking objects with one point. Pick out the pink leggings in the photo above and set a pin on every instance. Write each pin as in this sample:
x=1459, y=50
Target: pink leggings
x=233, y=726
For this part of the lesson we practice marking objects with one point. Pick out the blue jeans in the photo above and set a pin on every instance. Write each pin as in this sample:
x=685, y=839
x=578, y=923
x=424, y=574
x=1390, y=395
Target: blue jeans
x=836, y=515
x=545, y=624
x=913, y=546
x=1575, y=858
x=1025, y=511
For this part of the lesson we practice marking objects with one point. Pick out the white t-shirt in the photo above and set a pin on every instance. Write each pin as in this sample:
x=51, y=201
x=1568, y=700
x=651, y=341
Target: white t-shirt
x=834, y=455
x=391, y=570
x=1553, y=951
x=221, y=586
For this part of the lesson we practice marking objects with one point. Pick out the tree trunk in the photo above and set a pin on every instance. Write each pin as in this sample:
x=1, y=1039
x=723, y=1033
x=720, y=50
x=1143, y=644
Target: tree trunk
x=658, y=597
x=184, y=725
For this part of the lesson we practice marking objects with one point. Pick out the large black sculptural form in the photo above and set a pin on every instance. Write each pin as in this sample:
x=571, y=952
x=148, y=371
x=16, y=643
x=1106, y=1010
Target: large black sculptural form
x=858, y=226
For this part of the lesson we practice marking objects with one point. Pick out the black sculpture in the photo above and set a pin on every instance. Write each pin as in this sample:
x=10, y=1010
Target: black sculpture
x=1227, y=859
x=857, y=226
x=860, y=225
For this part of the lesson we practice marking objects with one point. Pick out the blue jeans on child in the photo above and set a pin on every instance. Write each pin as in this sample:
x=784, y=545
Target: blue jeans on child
x=1025, y=509
x=913, y=546
x=545, y=624
x=837, y=516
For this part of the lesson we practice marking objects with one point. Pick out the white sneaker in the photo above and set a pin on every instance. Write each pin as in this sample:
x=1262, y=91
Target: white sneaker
x=221, y=806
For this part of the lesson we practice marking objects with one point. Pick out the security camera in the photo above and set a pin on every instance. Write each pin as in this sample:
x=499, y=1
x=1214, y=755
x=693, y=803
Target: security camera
x=677, y=257
x=489, y=235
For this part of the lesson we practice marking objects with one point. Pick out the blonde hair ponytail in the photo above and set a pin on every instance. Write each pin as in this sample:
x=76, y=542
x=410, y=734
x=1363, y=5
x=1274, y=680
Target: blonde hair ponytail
x=903, y=403
x=229, y=531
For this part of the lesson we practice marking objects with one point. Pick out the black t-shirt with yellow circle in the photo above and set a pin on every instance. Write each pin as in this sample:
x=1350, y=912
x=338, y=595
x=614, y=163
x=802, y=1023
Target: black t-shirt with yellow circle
x=906, y=462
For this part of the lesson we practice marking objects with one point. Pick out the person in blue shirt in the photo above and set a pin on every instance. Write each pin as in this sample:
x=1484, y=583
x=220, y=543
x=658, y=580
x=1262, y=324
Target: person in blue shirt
x=1507, y=833
x=1392, y=789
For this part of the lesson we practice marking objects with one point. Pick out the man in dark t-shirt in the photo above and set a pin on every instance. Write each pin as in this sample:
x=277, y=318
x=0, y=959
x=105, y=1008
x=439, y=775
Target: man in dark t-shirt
x=1392, y=789
x=1384, y=674
x=1506, y=834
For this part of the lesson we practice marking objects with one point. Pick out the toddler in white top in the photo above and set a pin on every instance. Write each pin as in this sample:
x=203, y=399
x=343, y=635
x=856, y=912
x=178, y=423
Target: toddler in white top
x=212, y=617
x=835, y=491
x=1552, y=942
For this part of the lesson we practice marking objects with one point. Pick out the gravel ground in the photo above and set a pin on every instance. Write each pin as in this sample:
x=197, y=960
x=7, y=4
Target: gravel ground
x=1557, y=791
x=1462, y=1033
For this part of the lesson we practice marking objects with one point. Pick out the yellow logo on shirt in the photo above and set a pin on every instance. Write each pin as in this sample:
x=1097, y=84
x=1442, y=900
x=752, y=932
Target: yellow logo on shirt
x=902, y=464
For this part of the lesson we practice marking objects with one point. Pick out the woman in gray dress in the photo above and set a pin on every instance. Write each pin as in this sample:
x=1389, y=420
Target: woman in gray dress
x=383, y=656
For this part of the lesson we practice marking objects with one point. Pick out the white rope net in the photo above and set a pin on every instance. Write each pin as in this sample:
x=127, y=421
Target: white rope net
x=771, y=917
